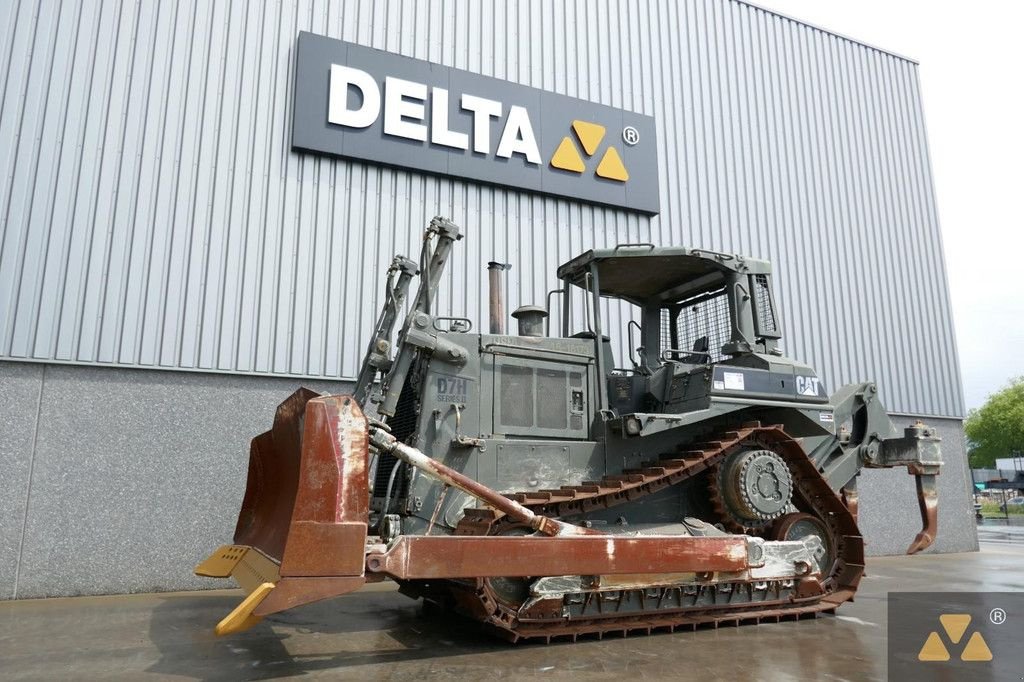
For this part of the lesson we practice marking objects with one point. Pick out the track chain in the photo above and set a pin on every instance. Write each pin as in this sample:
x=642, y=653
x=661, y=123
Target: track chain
x=546, y=621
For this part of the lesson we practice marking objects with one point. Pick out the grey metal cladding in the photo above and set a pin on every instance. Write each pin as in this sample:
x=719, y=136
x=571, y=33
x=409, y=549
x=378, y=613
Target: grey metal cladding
x=154, y=214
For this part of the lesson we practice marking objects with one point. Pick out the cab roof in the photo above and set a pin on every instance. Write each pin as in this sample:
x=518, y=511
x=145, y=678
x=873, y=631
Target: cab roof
x=646, y=274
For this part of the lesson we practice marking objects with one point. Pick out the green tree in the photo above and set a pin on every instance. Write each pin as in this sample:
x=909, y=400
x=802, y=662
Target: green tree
x=996, y=429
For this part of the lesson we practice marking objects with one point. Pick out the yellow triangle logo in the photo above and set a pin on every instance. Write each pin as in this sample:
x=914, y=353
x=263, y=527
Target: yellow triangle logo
x=611, y=166
x=955, y=625
x=933, y=649
x=976, y=649
x=590, y=135
x=567, y=158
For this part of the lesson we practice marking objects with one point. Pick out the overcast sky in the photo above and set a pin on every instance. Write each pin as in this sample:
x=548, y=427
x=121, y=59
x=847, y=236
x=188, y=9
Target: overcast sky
x=971, y=59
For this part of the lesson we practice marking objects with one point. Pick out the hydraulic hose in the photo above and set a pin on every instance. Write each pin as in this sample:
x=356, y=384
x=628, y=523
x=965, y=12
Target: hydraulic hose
x=387, y=494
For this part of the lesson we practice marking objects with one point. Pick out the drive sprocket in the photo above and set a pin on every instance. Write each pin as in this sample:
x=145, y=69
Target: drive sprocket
x=751, y=488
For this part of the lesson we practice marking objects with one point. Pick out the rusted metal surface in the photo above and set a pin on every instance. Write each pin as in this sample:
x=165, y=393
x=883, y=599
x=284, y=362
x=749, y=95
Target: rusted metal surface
x=779, y=560
x=928, y=504
x=420, y=557
x=302, y=530
x=333, y=475
x=496, y=299
x=324, y=549
x=273, y=479
x=327, y=534
x=292, y=592
x=851, y=498
x=667, y=622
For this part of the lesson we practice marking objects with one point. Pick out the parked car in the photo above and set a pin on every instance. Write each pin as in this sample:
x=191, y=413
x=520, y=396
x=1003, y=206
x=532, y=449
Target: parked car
x=1017, y=502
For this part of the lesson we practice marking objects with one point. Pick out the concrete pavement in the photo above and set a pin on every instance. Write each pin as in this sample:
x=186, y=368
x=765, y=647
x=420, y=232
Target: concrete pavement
x=379, y=634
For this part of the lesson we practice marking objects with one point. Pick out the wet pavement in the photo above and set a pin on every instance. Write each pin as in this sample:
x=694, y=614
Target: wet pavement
x=1002, y=531
x=379, y=634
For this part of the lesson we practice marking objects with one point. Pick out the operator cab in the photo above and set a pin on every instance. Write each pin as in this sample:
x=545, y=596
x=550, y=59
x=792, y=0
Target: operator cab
x=698, y=310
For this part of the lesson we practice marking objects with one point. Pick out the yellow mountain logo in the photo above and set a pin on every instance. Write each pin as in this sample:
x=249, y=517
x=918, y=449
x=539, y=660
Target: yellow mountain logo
x=567, y=156
x=954, y=625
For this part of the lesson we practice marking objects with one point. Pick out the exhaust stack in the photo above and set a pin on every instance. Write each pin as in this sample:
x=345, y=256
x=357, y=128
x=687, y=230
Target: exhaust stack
x=497, y=302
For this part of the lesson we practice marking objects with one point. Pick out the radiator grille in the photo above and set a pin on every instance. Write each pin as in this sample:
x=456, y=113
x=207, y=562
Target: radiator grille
x=552, y=406
x=540, y=398
x=516, y=396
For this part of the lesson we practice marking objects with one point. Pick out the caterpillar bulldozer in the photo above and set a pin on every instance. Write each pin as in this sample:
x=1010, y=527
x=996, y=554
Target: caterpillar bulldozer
x=526, y=481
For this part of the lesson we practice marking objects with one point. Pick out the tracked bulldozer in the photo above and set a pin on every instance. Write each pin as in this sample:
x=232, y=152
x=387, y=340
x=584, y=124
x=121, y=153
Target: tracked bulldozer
x=528, y=482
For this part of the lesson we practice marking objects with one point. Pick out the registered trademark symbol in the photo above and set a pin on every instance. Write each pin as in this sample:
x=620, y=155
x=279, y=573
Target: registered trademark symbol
x=997, y=616
x=630, y=135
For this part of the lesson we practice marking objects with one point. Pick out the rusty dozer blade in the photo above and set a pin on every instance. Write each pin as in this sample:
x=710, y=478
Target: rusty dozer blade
x=301, y=532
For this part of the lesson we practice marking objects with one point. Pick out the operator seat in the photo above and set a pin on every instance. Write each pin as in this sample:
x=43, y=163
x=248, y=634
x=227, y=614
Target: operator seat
x=699, y=352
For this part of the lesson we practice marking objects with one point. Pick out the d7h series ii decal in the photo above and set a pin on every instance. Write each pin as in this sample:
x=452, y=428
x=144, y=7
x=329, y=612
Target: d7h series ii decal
x=359, y=103
x=452, y=389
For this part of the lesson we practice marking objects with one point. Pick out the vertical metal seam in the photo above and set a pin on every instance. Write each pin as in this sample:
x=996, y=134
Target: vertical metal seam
x=61, y=316
x=135, y=200
x=28, y=486
x=53, y=202
x=83, y=294
x=23, y=233
x=37, y=285
x=126, y=247
x=242, y=230
x=939, y=274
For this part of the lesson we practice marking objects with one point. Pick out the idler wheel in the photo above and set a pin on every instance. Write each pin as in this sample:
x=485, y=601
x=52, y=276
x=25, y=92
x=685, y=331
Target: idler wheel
x=799, y=526
x=512, y=591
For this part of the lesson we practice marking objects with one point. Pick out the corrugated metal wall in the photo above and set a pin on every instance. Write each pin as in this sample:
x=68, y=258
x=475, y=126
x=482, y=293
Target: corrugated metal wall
x=154, y=215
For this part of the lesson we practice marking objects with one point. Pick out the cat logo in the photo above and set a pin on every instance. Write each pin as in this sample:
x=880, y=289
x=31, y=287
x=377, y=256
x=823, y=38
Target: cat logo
x=589, y=135
x=807, y=385
x=955, y=625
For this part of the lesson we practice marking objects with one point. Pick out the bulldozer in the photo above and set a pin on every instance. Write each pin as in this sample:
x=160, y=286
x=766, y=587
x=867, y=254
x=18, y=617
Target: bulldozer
x=530, y=483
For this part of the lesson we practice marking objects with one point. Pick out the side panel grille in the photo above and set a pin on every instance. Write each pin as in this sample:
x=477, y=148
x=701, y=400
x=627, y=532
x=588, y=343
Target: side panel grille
x=402, y=426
